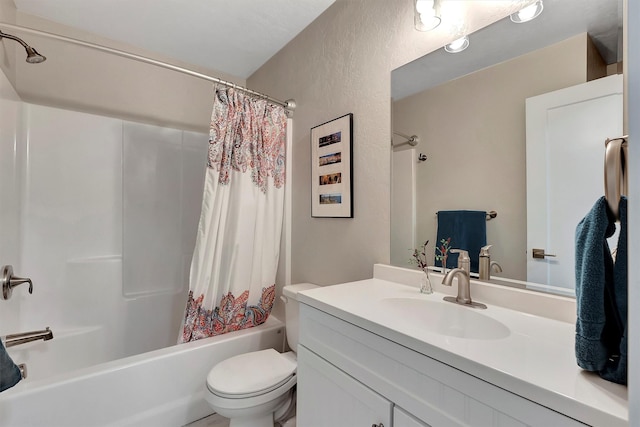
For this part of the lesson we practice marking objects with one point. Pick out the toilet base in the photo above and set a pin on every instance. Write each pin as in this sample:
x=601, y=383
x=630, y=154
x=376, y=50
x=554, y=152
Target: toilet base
x=260, y=415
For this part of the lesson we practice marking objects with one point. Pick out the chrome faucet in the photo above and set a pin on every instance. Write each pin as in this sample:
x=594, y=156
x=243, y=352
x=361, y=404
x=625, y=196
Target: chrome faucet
x=462, y=273
x=486, y=265
x=25, y=337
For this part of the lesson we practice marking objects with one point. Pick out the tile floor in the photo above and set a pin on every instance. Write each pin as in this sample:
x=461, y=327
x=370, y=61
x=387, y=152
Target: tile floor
x=214, y=420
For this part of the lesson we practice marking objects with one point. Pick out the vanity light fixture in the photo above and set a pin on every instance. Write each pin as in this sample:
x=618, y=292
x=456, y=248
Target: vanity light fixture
x=426, y=14
x=528, y=13
x=458, y=45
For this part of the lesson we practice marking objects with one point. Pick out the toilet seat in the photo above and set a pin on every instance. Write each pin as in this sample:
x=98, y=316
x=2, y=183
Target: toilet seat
x=252, y=374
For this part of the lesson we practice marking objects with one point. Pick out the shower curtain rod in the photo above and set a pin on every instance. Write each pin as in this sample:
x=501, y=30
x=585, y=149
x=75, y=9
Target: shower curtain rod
x=289, y=104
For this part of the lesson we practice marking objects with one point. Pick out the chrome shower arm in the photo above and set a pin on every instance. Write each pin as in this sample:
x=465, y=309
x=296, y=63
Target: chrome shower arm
x=33, y=57
x=9, y=36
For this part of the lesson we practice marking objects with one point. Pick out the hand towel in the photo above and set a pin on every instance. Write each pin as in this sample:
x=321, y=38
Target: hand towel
x=9, y=372
x=467, y=230
x=616, y=367
x=601, y=294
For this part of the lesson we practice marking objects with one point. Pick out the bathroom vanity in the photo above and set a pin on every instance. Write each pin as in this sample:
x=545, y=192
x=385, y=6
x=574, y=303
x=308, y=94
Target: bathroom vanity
x=378, y=353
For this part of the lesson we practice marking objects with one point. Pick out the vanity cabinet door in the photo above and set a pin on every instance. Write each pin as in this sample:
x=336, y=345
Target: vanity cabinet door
x=327, y=397
x=403, y=419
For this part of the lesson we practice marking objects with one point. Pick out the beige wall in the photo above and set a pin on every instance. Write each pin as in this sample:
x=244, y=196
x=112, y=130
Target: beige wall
x=83, y=79
x=341, y=64
x=473, y=130
x=8, y=47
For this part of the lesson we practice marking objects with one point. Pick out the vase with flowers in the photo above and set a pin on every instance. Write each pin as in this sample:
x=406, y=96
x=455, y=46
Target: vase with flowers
x=442, y=252
x=419, y=258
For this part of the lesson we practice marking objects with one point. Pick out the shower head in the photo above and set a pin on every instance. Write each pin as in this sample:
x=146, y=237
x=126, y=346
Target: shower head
x=33, y=57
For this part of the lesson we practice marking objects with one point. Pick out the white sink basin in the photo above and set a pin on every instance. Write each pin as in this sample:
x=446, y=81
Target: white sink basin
x=445, y=318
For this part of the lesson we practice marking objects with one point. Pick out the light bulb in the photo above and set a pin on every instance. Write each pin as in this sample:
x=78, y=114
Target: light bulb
x=427, y=14
x=458, y=45
x=424, y=6
x=528, y=13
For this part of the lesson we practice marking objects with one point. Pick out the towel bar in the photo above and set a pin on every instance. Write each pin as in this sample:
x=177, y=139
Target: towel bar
x=490, y=215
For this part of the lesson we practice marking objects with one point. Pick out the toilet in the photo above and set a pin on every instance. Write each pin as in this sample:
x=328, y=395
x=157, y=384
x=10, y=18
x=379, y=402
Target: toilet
x=255, y=389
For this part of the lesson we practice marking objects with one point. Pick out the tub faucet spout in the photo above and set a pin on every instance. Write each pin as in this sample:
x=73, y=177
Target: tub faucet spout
x=25, y=337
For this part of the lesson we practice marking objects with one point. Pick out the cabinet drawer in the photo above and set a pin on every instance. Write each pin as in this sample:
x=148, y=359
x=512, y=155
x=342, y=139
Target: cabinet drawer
x=434, y=392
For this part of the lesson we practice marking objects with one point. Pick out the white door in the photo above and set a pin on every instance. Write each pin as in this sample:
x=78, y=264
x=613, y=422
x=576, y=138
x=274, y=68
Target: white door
x=566, y=131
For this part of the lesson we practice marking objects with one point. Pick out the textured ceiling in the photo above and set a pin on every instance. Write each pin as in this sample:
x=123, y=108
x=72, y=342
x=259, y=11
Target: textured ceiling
x=504, y=40
x=232, y=36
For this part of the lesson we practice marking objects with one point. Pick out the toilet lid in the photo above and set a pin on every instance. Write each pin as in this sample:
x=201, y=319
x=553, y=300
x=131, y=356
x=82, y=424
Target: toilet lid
x=250, y=373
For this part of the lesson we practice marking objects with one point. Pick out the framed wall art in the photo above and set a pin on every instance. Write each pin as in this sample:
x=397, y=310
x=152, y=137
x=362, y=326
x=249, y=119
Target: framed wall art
x=332, y=168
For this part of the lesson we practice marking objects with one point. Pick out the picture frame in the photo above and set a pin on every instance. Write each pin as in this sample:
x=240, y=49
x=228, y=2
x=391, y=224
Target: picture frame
x=332, y=168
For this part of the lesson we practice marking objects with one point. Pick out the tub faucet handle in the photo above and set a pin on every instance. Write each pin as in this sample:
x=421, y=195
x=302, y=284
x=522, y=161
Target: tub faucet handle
x=9, y=281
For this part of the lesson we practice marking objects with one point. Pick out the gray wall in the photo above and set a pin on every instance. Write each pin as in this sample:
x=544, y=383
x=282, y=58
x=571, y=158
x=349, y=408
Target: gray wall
x=341, y=64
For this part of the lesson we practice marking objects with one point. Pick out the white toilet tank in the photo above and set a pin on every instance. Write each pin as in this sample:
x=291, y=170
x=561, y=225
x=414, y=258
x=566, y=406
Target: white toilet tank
x=292, y=311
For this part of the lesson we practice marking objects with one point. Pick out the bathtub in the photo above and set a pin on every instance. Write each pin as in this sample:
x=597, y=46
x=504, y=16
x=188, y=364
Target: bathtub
x=60, y=355
x=160, y=388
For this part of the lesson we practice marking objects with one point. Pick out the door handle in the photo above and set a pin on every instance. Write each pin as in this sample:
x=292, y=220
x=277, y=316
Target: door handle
x=539, y=254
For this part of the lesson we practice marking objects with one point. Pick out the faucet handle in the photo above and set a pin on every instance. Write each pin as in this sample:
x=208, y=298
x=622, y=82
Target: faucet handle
x=462, y=252
x=484, y=251
x=9, y=281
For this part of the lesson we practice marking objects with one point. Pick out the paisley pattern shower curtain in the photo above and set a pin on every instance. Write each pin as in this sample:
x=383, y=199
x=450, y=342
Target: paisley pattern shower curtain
x=233, y=270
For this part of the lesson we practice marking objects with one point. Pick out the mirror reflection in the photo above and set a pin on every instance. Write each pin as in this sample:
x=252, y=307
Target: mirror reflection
x=468, y=110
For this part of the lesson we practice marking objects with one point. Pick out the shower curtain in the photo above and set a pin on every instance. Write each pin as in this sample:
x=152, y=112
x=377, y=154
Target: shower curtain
x=233, y=270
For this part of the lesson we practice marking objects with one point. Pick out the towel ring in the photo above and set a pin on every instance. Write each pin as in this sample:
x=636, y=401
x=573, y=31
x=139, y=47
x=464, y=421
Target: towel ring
x=615, y=174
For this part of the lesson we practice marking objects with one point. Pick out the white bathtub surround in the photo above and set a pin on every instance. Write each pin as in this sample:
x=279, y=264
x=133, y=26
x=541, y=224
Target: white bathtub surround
x=162, y=388
x=534, y=359
x=233, y=271
x=102, y=216
x=10, y=108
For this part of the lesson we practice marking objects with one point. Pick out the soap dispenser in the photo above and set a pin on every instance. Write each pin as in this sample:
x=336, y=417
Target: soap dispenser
x=486, y=265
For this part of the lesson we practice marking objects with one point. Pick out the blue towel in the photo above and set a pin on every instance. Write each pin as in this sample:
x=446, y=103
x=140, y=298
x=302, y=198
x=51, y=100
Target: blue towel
x=9, y=372
x=467, y=230
x=601, y=294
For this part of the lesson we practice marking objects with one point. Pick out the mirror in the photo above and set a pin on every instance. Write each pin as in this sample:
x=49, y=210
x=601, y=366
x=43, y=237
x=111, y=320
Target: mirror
x=468, y=110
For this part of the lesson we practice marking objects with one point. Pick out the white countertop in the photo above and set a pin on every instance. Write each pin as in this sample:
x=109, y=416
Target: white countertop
x=536, y=360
